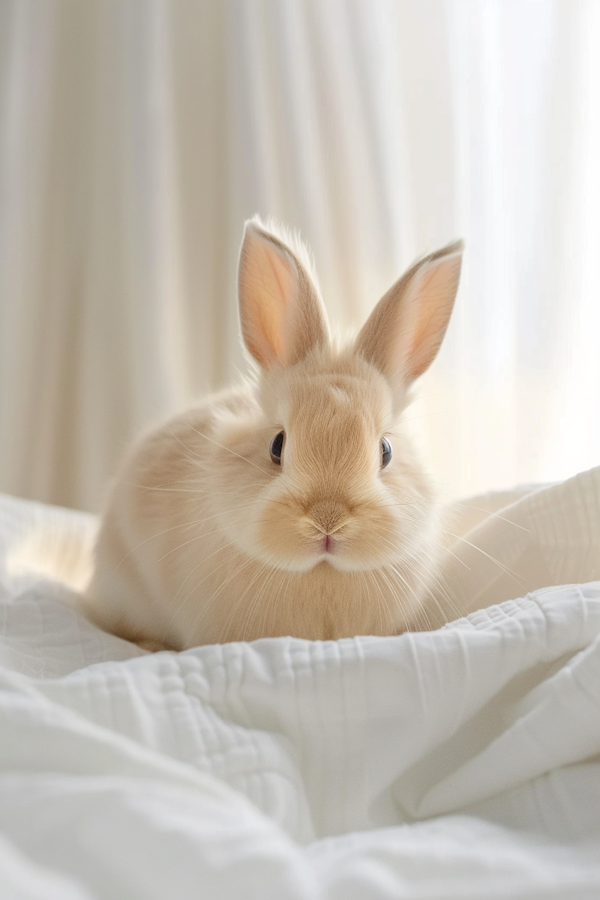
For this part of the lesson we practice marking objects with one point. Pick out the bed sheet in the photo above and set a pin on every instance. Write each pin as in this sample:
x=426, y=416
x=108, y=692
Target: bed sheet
x=458, y=763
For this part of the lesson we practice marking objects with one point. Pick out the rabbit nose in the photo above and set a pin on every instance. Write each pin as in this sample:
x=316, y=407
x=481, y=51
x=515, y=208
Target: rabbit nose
x=328, y=515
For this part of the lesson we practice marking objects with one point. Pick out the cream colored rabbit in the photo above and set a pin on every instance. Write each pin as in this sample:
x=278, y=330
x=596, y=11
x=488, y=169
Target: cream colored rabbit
x=294, y=505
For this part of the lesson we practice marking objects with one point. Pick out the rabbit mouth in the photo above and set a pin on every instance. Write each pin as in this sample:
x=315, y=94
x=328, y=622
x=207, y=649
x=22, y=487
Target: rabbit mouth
x=321, y=548
x=331, y=552
x=330, y=549
x=327, y=545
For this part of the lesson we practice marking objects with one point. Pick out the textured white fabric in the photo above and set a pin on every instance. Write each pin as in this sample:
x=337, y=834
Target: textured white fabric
x=460, y=763
x=136, y=136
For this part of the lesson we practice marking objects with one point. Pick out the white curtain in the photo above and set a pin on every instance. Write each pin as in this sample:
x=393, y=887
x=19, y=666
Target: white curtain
x=136, y=136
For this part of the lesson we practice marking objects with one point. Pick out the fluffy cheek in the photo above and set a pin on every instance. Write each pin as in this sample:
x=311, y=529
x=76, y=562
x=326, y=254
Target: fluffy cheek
x=285, y=536
x=238, y=526
x=370, y=540
x=263, y=520
x=384, y=534
x=390, y=527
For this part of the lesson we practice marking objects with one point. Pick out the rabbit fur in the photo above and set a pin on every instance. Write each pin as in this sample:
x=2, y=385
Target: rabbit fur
x=207, y=539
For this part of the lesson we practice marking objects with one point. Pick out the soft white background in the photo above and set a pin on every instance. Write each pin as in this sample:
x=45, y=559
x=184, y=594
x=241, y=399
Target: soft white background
x=136, y=136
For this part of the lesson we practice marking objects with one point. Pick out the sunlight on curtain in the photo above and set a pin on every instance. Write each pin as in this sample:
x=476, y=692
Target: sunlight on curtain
x=519, y=372
x=136, y=136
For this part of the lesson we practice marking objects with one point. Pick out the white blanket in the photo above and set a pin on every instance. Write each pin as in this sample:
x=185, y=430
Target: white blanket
x=461, y=763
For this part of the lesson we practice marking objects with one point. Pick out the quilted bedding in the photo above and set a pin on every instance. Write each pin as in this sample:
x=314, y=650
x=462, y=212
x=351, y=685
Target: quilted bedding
x=459, y=763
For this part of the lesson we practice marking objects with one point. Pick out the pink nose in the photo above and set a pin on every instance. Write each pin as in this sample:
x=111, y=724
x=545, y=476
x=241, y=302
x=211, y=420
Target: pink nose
x=329, y=515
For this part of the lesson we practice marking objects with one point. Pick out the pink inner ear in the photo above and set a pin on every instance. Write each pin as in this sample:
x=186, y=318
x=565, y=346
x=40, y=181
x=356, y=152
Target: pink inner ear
x=281, y=312
x=405, y=330
x=267, y=285
x=436, y=295
x=430, y=324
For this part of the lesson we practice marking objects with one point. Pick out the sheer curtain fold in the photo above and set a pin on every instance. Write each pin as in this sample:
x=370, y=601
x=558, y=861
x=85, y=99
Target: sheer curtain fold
x=136, y=136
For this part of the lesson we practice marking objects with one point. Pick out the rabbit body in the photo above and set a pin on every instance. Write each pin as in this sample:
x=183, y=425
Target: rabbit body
x=215, y=532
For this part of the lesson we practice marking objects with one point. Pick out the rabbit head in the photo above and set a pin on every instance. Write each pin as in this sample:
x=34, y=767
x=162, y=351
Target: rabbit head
x=322, y=464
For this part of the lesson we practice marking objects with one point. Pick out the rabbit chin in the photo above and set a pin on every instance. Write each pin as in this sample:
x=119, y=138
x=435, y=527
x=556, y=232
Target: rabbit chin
x=338, y=556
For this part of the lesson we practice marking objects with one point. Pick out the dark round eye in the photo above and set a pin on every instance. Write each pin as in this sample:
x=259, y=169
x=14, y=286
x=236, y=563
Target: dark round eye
x=386, y=452
x=277, y=447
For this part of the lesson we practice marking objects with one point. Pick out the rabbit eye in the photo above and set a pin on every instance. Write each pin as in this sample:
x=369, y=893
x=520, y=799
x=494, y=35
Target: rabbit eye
x=386, y=452
x=277, y=447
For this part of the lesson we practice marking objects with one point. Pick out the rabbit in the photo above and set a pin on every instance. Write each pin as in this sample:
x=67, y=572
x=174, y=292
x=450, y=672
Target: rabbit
x=294, y=504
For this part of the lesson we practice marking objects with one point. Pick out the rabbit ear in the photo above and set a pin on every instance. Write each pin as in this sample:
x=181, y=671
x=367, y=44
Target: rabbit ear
x=403, y=334
x=281, y=313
